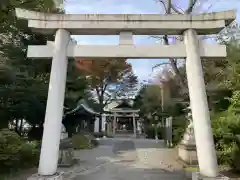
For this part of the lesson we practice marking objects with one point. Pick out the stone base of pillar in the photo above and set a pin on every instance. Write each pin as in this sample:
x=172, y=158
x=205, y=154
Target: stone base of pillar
x=57, y=176
x=66, y=158
x=198, y=176
x=188, y=154
x=187, y=150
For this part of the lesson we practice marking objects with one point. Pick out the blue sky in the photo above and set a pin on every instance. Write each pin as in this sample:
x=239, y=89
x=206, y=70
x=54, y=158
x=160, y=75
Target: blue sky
x=142, y=67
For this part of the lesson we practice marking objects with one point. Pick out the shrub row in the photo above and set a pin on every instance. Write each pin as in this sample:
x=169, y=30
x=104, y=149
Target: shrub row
x=16, y=153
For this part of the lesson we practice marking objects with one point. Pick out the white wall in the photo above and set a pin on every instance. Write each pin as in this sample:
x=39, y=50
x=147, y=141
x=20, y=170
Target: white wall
x=103, y=122
x=96, y=125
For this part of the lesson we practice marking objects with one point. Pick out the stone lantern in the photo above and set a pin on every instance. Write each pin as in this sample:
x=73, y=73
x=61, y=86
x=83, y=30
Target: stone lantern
x=187, y=148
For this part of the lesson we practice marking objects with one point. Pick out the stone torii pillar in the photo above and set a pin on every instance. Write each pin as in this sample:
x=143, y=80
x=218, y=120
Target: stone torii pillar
x=198, y=101
x=54, y=110
x=134, y=126
x=114, y=123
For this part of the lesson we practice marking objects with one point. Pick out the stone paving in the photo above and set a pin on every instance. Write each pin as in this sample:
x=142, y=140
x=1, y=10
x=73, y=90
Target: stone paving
x=126, y=159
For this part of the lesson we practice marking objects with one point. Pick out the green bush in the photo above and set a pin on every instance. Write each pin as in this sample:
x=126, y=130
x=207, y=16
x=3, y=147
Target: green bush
x=80, y=141
x=98, y=134
x=177, y=136
x=226, y=126
x=94, y=142
x=178, y=129
x=150, y=132
x=15, y=153
x=236, y=158
x=29, y=155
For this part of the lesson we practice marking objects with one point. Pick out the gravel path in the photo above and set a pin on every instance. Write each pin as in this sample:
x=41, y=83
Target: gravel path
x=125, y=159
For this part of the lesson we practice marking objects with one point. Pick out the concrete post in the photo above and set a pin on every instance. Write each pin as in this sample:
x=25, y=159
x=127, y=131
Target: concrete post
x=134, y=126
x=96, y=125
x=114, y=123
x=54, y=110
x=126, y=38
x=104, y=122
x=199, y=106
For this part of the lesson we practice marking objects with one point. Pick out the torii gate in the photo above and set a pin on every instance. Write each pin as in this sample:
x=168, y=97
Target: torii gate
x=127, y=25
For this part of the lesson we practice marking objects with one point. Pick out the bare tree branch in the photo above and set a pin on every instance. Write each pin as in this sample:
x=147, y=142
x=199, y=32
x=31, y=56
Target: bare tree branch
x=175, y=9
x=156, y=37
x=169, y=7
x=163, y=4
x=160, y=65
x=108, y=101
x=98, y=92
x=191, y=5
x=173, y=63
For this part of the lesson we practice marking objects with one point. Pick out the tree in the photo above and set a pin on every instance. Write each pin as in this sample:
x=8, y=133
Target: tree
x=148, y=100
x=21, y=75
x=169, y=8
x=24, y=81
x=76, y=87
x=105, y=72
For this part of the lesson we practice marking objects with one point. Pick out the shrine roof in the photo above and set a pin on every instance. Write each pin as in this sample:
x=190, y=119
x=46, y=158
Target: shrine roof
x=82, y=108
x=124, y=105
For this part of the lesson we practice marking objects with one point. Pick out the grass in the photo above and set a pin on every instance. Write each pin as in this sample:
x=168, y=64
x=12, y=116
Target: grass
x=224, y=170
x=190, y=168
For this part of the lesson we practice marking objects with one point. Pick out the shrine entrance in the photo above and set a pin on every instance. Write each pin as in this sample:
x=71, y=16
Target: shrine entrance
x=126, y=25
x=124, y=125
x=124, y=120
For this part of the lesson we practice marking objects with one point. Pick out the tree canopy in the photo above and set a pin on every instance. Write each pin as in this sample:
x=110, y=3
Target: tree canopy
x=105, y=72
x=24, y=81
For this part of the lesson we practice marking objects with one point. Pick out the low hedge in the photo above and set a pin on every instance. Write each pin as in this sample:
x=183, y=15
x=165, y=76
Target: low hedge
x=83, y=141
x=15, y=153
x=150, y=132
x=226, y=126
x=98, y=134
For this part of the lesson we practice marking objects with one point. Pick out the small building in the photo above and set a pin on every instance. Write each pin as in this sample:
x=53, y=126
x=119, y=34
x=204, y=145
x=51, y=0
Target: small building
x=81, y=118
x=120, y=118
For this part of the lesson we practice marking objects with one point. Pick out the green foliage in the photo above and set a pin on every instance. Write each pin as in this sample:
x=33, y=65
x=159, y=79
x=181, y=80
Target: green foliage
x=24, y=81
x=148, y=101
x=178, y=128
x=236, y=157
x=15, y=153
x=226, y=124
x=29, y=155
x=225, y=128
x=98, y=134
x=80, y=141
x=232, y=72
x=25, y=87
x=150, y=132
x=235, y=103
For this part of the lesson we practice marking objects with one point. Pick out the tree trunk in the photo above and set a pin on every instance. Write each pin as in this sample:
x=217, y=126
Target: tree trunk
x=101, y=111
x=100, y=122
x=4, y=123
x=16, y=126
x=21, y=127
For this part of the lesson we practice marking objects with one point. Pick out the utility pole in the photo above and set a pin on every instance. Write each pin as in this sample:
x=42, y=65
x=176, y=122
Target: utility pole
x=59, y=4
